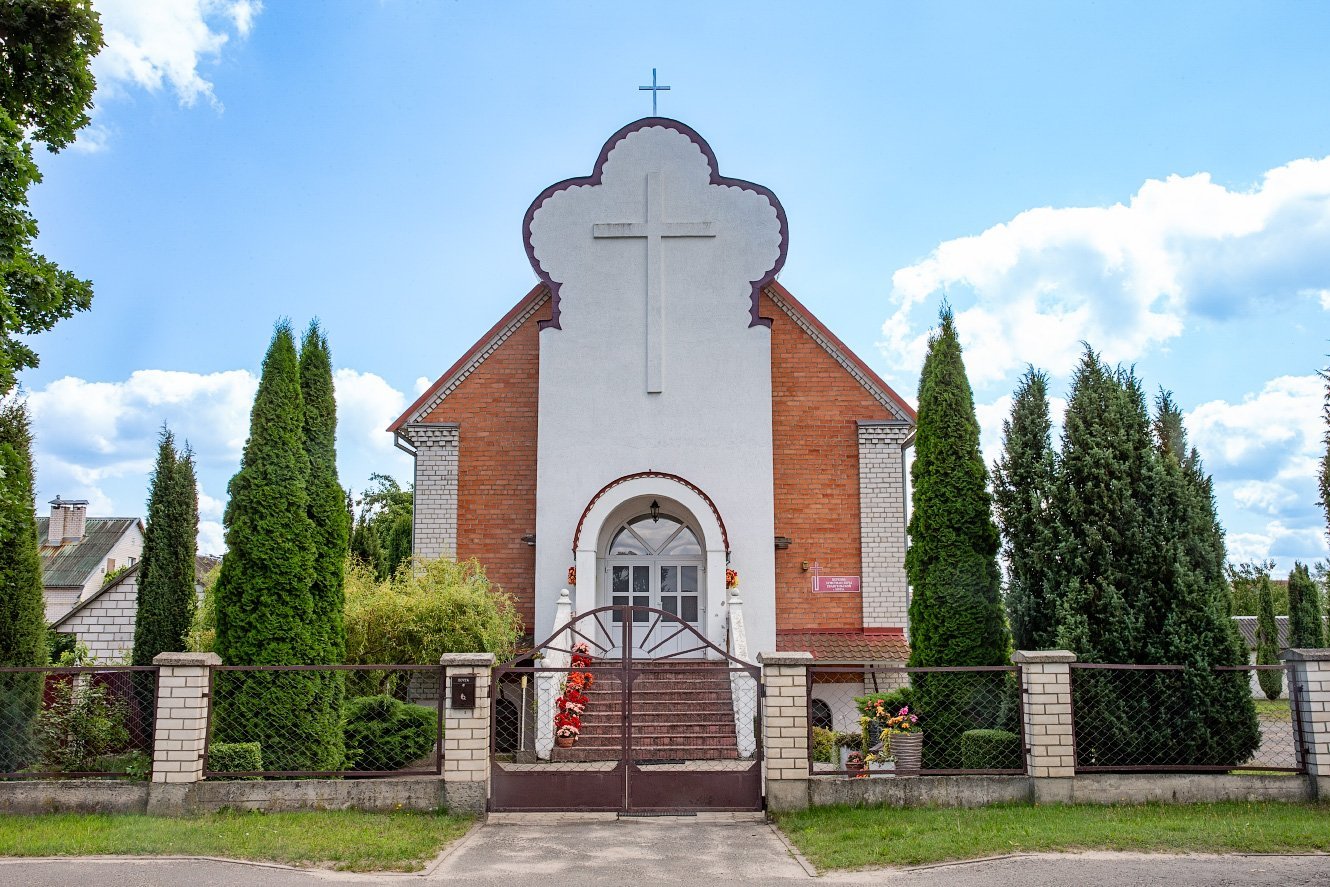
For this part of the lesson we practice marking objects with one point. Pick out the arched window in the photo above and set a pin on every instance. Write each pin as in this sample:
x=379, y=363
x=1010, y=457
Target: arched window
x=646, y=536
x=821, y=714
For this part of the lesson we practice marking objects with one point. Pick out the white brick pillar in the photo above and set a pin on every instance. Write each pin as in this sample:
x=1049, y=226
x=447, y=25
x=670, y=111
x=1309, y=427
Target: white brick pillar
x=181, y=725
x=1311, y=679
x=1050, y=750
x=882, y=523
x=466, y=734
x=434, y=526
x=785, y=728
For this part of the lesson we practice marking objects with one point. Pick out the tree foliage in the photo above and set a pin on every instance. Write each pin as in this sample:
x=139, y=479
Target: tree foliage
x=327, y=509
x=265, y=602
x=1305, y=627
x=381, y=536
x=166, y=594
x=425, y=609
x=1267, y=640
x=1245, y=581
x=1022, y=487
x=46, y=87
x=22, y=612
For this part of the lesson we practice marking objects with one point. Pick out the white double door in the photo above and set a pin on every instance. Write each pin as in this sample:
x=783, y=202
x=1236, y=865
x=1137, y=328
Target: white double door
x=672, y=585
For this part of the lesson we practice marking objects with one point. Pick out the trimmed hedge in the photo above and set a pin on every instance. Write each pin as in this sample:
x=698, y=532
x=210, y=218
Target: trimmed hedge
x=235, y=757
x=990, y=750
x=383, y=733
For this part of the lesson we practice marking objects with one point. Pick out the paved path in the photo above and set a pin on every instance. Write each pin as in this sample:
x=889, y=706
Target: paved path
x=683, y=851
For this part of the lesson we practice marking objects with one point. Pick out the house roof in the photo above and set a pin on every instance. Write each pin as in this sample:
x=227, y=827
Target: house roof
x=844, y=646
x=528, y=304
x=114, y=583
x=69, y=564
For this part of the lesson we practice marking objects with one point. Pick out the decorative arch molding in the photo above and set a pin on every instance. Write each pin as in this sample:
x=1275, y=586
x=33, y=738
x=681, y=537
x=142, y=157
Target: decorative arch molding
x=608, y=503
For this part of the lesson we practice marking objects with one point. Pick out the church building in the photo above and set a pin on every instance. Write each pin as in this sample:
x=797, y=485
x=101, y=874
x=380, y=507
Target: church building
x=659, y=410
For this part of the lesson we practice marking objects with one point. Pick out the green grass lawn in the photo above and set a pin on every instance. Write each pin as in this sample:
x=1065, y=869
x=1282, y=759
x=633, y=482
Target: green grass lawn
x=343, y=839
x=858, y=837
x=1273, y=709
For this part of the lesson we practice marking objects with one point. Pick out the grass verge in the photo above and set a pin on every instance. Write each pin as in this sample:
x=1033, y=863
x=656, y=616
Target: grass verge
x=859, y=837
x=344, y=839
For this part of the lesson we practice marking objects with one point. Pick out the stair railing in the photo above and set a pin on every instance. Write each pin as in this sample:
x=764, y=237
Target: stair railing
x=743, y=688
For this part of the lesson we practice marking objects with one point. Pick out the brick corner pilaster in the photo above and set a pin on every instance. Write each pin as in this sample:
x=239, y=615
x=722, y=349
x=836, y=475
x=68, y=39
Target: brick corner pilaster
x=180, y=728
x=1046, y=696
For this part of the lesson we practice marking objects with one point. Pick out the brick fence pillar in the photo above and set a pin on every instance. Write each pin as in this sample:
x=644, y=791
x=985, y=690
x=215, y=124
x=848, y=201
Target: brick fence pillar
x=1311, y=679
x=466, y=734
x=1050, y=750
x=785, y=728
x=181, y=724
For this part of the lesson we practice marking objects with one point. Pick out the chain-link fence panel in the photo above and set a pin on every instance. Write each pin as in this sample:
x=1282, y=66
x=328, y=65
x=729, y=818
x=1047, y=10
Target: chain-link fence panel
x=877, y=720
x=324, y=720
x=91, y=721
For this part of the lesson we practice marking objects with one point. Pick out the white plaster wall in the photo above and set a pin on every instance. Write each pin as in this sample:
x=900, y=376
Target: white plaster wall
x=129, y=545
x=712, y=422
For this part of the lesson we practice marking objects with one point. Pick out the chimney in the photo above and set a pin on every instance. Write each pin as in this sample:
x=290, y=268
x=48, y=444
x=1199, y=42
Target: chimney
x=69, y=519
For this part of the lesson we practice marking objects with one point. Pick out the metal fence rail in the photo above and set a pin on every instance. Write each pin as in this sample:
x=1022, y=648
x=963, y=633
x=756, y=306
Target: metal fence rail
x=969, y=720
x=85, y=721
x=353, y=721
x=1170, y=718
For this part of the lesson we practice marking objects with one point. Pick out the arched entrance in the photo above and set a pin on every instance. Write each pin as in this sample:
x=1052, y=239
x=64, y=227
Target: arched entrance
x=655, y=540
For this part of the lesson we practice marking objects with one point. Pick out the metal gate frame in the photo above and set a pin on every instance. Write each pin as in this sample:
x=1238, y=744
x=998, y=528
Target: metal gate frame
x=626, y=787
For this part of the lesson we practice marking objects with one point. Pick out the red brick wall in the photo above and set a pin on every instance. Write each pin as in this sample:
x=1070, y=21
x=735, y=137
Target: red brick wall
x=815, y=405
x=496, y=409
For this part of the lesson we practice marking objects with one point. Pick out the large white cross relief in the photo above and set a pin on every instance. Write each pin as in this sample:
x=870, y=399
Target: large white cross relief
x=654, y=230
x=700, y=248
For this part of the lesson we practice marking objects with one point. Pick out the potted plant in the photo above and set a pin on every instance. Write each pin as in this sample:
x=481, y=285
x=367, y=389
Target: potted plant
x=905, y=739
x=567, y=727
x=854, y=762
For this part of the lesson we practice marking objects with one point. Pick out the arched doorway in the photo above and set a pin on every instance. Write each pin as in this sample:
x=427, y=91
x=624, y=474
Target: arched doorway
x=656, y=560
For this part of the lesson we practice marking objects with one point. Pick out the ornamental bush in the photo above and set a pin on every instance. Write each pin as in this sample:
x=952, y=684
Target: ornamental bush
x=235, y=757
x=990, y=750
x=383, y=733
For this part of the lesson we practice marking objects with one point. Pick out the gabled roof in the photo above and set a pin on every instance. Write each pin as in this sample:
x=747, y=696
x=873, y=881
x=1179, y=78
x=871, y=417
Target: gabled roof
x=114, y=583
x=69, y=564
x=532, y=301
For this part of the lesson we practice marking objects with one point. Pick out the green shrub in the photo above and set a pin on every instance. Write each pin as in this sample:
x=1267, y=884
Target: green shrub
x=82, y=722
x=235, y=757
x=893, y=701
x=383, y=733
x=990, y=750
x=826, y=746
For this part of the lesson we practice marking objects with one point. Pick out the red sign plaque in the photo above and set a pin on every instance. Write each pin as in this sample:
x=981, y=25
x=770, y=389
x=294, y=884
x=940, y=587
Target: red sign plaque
x=833, y=584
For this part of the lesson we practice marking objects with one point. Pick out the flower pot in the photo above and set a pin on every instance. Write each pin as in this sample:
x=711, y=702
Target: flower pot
x=907, y=750
x=565, y=741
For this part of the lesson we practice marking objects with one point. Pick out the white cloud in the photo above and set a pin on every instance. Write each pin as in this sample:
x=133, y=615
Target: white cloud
x=153, y=44
x=1126, y=278
x=98, y=440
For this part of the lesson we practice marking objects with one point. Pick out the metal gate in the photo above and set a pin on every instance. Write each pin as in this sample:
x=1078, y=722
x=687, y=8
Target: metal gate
x=658, y=720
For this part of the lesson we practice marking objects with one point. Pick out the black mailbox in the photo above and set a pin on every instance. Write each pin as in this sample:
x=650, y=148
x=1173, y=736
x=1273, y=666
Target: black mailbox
x=464, y=691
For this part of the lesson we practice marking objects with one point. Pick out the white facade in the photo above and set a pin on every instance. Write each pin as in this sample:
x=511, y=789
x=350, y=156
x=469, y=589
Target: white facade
x=105, y=622
x=653, y=365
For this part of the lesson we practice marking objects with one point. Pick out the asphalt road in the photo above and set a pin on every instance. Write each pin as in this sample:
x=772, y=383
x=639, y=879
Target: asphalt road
x=687, y=852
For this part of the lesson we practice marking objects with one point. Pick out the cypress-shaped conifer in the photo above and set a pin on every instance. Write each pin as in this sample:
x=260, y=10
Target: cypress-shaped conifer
x=1305, y=629
x=265, y=606
x=327, y=503
x=1022, y=485
x=166, y=578
x=956, y=613
x=1267, y=639
x=22, y=610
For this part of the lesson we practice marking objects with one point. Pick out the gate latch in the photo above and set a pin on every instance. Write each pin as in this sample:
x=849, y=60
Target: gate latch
x=464, y=691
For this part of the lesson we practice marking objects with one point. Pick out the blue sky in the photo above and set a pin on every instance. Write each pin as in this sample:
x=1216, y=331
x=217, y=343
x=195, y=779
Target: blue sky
x=1152, y=178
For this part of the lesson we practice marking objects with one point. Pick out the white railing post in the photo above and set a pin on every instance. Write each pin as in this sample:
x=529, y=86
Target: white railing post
x=743, y=688
x=547, y=683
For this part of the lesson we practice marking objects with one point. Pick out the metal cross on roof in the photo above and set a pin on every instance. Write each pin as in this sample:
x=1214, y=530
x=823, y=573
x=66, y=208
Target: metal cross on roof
x=653, y=89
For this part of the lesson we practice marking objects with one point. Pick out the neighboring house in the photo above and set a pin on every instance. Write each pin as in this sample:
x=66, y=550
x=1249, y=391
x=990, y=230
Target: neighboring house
x=652, y=415
x=78, y=552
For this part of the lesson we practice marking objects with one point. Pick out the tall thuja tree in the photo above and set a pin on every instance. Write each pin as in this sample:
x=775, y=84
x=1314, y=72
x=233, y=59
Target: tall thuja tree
x=166, y=594
x=1189, y=620
x=1022, y=485
x=956, y=613
x=327, y=500
x=1305, y=628
x=265, y=603
x=1267, y=639
x=22, y=613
